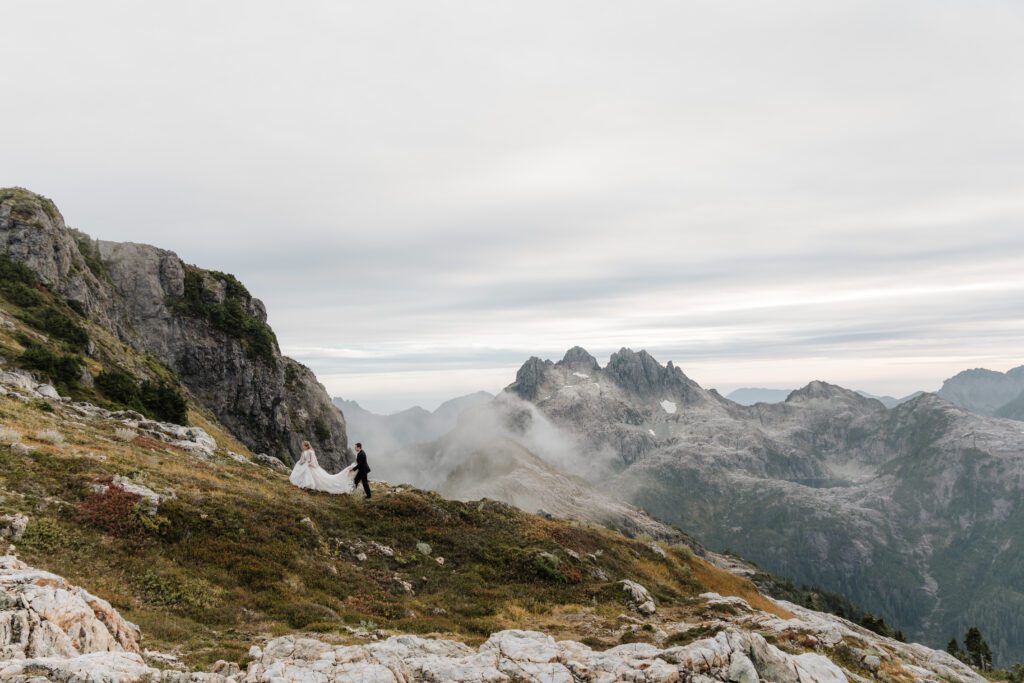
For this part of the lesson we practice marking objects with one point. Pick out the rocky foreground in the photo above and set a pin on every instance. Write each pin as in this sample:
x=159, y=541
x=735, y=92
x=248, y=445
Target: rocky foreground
x=51, y=630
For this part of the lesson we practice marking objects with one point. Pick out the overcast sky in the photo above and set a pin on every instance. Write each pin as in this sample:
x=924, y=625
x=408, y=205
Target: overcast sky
x=427, y=193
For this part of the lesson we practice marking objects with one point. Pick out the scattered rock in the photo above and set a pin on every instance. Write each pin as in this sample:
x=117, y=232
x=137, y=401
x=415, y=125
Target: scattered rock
x=403, y=585
x=424, y=548
x=238, y=457
x=270, y=461
x=47, y=391
x=382, y=549
x=225, y=668
x=638, y=597
x=13, y=527
x=361, y=557
x=439, y=560
x=656, y=549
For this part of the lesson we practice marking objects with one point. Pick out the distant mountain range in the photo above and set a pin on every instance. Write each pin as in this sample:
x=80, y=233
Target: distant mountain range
x=914, y=512
x=394, y=431
x=748, y=396
x=982, y=391
x=913, y=508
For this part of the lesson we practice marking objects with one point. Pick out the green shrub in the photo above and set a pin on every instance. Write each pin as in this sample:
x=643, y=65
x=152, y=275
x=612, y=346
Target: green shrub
x=156, y=399
x=229, y=316
x=91, y=255
x=171, y=591
x=302, y=614
x=20, y=286
x=49, y=319
x=44, y=535
x=120, y=387
x=63, y=370
x=164, y=402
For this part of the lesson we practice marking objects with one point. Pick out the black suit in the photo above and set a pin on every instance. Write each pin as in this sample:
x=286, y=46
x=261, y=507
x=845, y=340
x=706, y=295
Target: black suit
x=362, y=469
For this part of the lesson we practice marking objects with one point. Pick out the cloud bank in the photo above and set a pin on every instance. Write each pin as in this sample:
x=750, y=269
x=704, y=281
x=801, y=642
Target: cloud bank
x=427, y=194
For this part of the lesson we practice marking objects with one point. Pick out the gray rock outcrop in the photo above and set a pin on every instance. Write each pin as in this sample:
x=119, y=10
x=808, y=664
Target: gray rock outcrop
x=203, y=325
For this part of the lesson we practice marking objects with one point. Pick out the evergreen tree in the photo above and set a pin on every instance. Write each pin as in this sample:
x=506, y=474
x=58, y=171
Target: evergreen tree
x=953, y=648
x=979, y=654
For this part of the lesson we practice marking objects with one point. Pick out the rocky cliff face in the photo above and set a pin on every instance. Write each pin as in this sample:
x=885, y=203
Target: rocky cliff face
x=896, y=509
x=203, y=325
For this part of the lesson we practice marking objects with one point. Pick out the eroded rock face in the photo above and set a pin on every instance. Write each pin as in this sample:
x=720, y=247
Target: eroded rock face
x=271, y=403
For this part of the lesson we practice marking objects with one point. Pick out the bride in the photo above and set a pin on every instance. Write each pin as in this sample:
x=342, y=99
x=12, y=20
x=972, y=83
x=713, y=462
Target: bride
x=307, y=474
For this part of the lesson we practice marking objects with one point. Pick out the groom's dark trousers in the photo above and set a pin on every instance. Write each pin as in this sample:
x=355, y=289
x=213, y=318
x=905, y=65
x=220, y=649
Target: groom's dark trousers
x=362, y=469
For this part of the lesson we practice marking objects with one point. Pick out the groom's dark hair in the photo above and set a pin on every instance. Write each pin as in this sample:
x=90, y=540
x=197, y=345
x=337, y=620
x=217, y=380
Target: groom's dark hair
x=359, y=445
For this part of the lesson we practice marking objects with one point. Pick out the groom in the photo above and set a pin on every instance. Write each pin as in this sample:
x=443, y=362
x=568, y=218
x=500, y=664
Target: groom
x=362, y=469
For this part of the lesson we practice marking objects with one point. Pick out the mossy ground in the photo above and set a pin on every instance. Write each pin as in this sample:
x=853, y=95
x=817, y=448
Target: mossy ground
x=240, y=553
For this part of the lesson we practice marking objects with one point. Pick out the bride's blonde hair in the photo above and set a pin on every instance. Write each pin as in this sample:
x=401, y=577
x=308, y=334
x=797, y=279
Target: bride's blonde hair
x=306, y=445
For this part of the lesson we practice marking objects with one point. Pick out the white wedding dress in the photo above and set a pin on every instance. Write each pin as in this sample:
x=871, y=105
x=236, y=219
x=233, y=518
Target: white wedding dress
x=307, y=474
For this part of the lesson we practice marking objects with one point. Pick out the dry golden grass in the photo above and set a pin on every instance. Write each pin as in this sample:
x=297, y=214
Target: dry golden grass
x=724, y=583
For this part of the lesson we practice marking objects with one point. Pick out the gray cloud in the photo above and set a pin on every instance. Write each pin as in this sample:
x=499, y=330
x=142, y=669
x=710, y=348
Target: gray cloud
x=758, y=191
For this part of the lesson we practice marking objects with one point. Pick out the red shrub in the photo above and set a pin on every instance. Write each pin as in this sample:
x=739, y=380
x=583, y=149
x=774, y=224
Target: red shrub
x=114, y=511
x=570, y=573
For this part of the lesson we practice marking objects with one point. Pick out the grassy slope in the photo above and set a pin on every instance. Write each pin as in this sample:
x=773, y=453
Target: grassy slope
x=240, y=552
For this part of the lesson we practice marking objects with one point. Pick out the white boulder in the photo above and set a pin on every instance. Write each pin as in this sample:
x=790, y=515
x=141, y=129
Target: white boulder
x=638, y=597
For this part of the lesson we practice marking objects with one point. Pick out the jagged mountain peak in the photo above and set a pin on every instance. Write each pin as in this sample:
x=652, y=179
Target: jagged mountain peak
x=529, y=378
x=818, y=389
x=578, y=358
x=640, y=373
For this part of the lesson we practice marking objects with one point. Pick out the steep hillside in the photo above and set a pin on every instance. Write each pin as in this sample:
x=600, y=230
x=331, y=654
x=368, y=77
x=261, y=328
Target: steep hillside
x=139, y=310
x=211, y=553
x=914, y=513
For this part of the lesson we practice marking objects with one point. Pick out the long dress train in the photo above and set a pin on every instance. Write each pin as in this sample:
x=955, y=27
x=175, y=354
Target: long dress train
x=307, y=474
